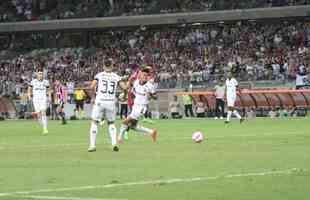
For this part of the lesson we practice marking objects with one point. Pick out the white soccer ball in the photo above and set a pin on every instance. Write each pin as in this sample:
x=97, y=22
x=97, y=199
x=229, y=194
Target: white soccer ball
x=197, y=137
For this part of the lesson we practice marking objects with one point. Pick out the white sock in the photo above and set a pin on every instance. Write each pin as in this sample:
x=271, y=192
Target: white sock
x=122, y=130
x=143, y=130
x=112, y=131
x=40, y=120
x=228, y=115
x=93, y=134
x=44, y=121
x=237, y=114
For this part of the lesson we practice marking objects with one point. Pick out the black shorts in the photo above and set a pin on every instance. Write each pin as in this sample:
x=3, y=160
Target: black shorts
x=61, y=105
x=79, y=104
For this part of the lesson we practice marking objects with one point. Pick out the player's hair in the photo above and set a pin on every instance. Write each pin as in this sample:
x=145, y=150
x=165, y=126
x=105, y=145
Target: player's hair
x=146, y=69
x=39, y=69
x=108, y=62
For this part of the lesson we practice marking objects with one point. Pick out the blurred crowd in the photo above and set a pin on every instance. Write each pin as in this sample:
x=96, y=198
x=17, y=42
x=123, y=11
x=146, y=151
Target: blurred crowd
x=181, y=56
x=25, y=10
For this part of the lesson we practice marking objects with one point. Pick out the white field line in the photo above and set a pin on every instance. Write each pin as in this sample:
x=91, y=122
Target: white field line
x=163, y=181
x=8, y=146
x=63, y=198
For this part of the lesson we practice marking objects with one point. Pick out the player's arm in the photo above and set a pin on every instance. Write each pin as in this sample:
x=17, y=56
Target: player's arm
x=65, y=94
x=129, y=84
x=49, y=90
x=93, y=85
x=214, y=90
x=152, y=89
x=93, y=88
x=29, y=92
x=49, y=95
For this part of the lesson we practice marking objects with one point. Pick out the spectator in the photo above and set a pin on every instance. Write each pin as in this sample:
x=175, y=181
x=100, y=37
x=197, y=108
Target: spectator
x=200, y=108
x=301, y=79
x=273, y=113
x=283, y=112
x=292, y=111
x=175, y=108
x=24, y=101
x=188, y=105
x=70, y=91
x=219, y=95
x=80, y=97
x=251, y=113
x=54, y=104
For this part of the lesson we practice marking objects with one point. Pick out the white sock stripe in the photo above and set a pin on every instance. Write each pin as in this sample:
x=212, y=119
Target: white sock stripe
x=93, y=134
x=113, y=134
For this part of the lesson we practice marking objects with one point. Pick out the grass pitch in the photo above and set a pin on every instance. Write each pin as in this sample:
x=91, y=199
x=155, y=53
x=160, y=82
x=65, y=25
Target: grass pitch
x=260, y=159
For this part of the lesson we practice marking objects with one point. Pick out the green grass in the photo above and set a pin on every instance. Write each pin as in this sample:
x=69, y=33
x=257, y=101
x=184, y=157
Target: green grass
x=30, y=161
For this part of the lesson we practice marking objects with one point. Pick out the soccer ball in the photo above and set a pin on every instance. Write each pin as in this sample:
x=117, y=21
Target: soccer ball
x=197, y=137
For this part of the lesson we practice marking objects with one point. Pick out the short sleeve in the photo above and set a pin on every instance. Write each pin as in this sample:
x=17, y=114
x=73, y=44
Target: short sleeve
x=31, y=84
x=96, y=77
x=236, y=82
x=118, y=78
x=47, y=84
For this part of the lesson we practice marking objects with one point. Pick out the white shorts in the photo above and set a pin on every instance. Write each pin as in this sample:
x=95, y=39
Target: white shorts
x=231, y=101
x=104, y=110
x=138, y=111
x=40, y=106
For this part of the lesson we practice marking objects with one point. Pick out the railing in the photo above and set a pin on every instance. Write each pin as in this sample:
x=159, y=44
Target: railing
x=259, y=98
x=160, y=19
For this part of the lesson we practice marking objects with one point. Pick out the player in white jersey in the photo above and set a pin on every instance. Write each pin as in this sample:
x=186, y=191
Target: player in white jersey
x=38, y=91
x=105, y=85
x=231, y=95
x=143, y=91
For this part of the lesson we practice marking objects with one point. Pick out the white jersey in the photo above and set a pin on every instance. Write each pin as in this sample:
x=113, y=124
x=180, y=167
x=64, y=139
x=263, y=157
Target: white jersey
x=39, y=89
x=141, y=92
x=219, y=91
x=106, y=86
x=231, y=87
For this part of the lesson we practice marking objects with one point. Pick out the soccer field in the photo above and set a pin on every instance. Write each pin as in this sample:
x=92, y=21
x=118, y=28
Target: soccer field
x=260, y=159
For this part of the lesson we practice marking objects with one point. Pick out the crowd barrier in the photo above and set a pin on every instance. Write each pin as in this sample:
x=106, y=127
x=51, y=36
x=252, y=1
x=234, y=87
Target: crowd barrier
x=259, y=98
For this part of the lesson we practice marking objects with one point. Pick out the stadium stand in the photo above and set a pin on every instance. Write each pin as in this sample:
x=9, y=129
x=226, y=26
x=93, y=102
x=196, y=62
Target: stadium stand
x=186, y=49
x=257, y=51
x=33, y=10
